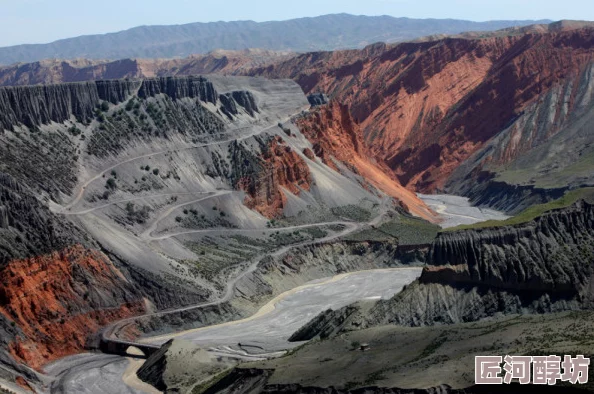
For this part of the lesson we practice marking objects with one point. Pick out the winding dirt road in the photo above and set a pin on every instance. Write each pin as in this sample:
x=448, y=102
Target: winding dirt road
x=82, y=187
x=109, y=332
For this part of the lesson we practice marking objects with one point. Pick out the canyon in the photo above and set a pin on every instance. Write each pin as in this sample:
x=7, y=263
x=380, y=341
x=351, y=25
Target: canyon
x=436, y=112
x=140, y=209
x=439, y=113
x=137, y=196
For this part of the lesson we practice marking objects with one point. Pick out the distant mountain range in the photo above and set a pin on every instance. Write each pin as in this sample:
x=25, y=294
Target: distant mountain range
x=328, y=32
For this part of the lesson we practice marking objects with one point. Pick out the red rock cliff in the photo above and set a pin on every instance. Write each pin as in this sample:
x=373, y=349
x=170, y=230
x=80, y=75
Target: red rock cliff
x=426, y=107
x=280, y=167
x=335, y=135
x=57, y=300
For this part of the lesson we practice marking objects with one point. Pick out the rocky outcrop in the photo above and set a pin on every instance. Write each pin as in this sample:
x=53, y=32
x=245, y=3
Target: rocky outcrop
x=278, y=167
x=426, y=107
x=538, y=267
x=241, y=380
x=27, y=227
x=333, y=133
x=484, y=191
x=177, y=88
x=167, y=369
x=552, y=254
x=36, y=105
x=325, y=324
x=337, y=139
x=317, y=99
x=246, y=100
x=242, y=98
x=182, y=115
x=57, y=300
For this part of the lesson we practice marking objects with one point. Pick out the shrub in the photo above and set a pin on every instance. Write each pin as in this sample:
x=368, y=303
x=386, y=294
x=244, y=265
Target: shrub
x=156, y=171
x=111, y=184
x=74, y=131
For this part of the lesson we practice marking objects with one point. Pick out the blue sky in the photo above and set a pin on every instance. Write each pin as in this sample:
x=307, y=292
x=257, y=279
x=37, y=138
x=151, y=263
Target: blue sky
x=39, y=21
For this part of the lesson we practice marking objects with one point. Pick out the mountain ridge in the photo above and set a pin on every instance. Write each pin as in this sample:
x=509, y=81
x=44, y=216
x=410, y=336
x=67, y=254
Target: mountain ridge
x=303, y=34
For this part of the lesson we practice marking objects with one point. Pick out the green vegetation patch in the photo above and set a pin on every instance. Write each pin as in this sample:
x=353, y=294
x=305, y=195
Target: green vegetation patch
x=534, y=211
x=408, y=231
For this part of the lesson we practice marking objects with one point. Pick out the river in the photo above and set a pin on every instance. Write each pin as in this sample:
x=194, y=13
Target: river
x=456, y=210
x=265, y=332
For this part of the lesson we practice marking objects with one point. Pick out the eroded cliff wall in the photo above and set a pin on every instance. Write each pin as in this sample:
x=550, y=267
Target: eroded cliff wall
x=426, y=107
x=542, y=266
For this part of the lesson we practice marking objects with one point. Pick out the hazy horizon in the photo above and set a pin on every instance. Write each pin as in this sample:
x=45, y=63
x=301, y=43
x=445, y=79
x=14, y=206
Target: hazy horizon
x=40, y=21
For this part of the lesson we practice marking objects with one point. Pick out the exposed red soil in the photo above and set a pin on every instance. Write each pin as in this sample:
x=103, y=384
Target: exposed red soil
x=281, y=168
x=335, y=135
x=24, y=384
x=425, y=107
x=58, y=300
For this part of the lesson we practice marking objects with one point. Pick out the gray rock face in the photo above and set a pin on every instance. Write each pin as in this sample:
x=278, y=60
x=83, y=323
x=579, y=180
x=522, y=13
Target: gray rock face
x=317, y=99
x=176, y=88
x=551, y=254
x=33, y=106
x=115, y=91
x=153, y=369
x=325, y=324
x=231, y=101
x=503, y=196
x=27, y=227
x=164, y=292
x=542, y=266
x=245, y=99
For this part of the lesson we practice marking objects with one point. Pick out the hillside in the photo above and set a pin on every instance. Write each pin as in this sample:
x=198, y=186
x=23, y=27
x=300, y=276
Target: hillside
x=123, y=197
x=518, y=288
x=327, y=32
x=52, y=71
x=440, y=113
